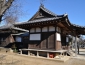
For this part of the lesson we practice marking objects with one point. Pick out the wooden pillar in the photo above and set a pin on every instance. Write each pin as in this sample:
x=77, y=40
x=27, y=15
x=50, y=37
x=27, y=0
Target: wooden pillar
x=72, y=41
x=28, y=53
x=76, y=46
x=55, y=38
x=47, y=54
x=37, y=54
x=20, y=51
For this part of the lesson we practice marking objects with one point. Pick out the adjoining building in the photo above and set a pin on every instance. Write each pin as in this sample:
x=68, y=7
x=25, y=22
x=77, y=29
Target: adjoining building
x=11, y=36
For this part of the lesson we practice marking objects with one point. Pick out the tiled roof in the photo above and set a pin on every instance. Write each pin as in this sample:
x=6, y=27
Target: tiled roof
x=40, y=20
x=11, y=26
x=43, y=9
x=74, y=25
x=7, y=26
x=47, y=11
x=44, y=19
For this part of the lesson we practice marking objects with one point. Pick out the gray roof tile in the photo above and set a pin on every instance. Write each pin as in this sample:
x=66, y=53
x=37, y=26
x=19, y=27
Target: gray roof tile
x=77, y=26
x=47, y=11
x=40, y=20
x=6, y=26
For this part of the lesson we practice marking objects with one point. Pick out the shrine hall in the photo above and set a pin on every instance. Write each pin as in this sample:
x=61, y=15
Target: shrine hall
x=50, y=31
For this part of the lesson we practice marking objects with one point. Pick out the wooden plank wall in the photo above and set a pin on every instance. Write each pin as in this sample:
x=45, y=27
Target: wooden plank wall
x=46, y=42
x=7, y=39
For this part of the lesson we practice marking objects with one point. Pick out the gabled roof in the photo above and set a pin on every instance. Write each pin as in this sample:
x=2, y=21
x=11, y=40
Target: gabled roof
x=43, y=12
x=47, y=15
x=47, y=11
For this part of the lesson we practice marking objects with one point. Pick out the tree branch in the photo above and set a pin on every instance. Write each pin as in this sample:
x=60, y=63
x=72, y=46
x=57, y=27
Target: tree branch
x=4, y=6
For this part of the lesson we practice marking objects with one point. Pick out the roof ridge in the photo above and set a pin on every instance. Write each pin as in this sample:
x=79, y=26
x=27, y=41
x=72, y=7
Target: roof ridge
x=46, y=10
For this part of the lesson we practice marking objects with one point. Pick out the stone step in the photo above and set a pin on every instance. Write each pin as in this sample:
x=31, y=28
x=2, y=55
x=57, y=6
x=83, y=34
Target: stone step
x=71, y=53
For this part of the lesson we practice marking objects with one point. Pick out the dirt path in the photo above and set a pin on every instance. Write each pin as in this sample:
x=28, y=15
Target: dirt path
x=26, y=60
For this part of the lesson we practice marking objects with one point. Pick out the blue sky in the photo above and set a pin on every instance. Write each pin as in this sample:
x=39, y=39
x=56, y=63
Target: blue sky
x=74, y=8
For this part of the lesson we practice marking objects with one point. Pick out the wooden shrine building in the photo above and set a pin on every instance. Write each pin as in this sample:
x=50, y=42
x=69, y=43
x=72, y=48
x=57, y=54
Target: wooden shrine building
x=10, y=35
x=49, y=31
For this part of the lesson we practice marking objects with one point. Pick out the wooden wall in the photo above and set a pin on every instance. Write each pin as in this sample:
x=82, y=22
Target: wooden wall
x=25, y=41
x=63, y=38
x=50, y=38
x=46, y=42
x=5, y=40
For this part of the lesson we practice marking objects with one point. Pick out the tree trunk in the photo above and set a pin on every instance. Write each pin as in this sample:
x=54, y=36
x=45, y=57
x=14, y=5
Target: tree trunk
x=0, y=18
x=4, y=5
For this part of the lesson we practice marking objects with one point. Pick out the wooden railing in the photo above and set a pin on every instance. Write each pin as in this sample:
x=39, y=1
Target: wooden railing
x=47, y=52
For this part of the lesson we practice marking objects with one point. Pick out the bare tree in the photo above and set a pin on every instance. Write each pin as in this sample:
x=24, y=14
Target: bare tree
x=13, y=13
x=4, y=5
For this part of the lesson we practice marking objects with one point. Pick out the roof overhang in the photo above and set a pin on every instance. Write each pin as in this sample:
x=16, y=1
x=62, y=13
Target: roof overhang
x=80, y=30
x=12, y=30
x=18, y=34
